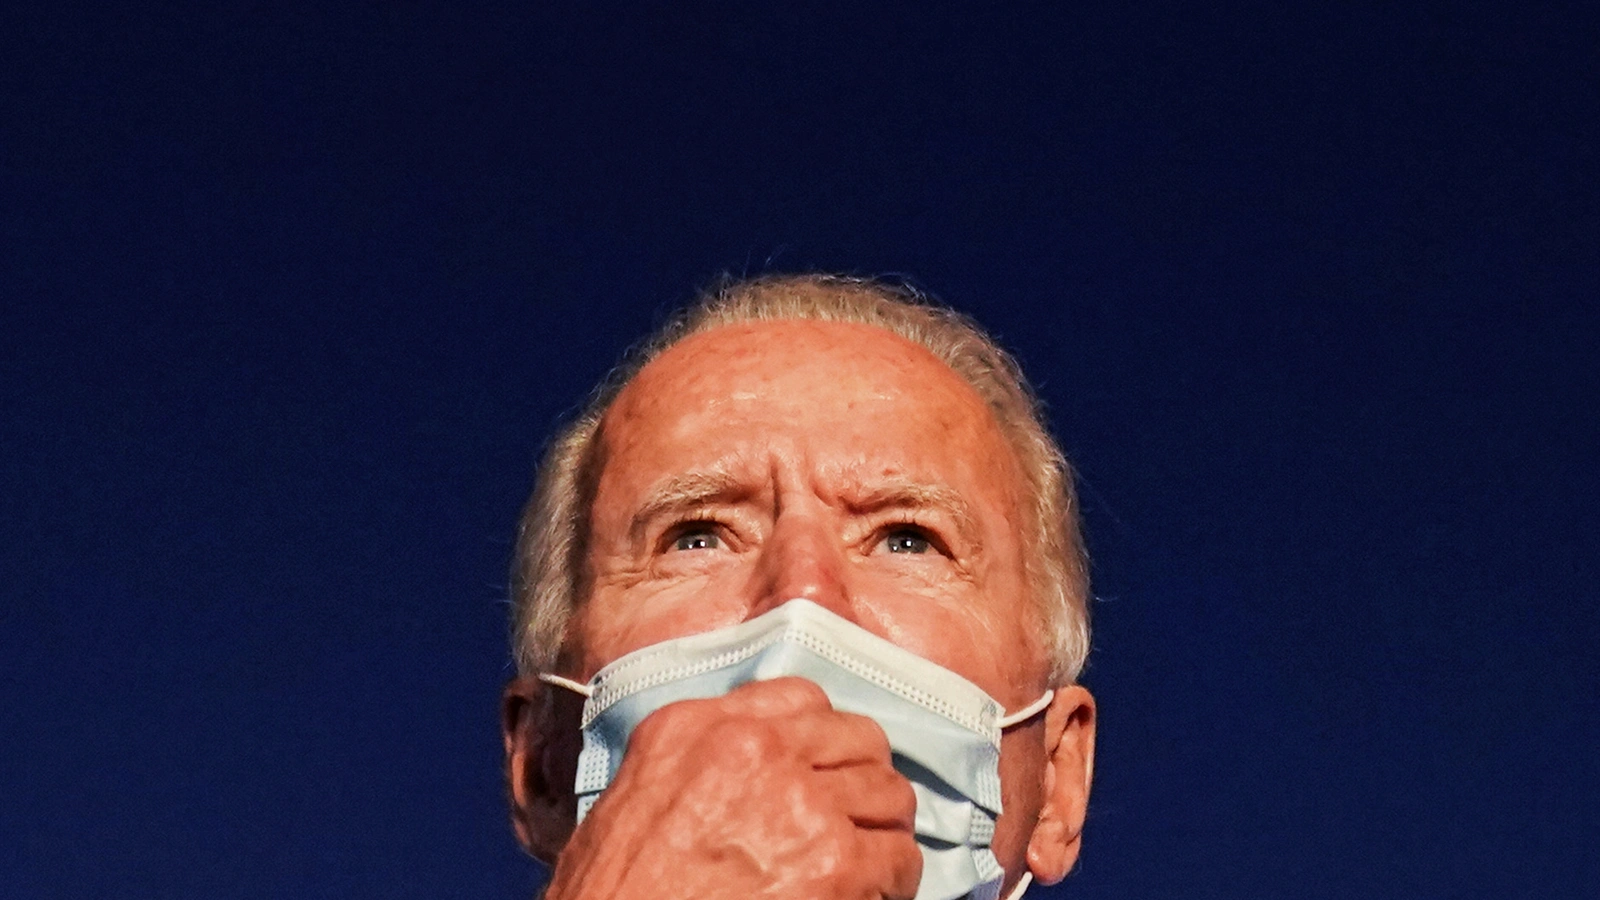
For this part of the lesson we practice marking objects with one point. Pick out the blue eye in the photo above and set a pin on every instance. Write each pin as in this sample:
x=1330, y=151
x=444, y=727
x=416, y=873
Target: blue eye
x=697, y=539
x=906, y=541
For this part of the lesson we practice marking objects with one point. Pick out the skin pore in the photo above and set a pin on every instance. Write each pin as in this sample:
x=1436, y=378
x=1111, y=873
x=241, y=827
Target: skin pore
x=756, y=463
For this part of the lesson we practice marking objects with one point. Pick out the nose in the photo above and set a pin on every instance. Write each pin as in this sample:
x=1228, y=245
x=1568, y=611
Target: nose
x=802, y=558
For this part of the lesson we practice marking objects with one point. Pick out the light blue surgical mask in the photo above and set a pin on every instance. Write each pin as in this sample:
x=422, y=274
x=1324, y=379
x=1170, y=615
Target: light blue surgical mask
x=944, y=731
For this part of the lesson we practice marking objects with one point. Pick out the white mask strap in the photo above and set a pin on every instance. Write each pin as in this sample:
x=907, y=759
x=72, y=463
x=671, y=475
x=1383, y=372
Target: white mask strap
x=574, y=686
x=1021, y=715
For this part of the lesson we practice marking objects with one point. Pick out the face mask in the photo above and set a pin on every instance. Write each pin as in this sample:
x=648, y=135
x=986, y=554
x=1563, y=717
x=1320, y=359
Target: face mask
x=944, y=731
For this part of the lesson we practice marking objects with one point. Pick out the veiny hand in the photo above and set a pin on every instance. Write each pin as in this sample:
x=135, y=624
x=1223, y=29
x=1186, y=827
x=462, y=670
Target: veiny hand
x=766, y=792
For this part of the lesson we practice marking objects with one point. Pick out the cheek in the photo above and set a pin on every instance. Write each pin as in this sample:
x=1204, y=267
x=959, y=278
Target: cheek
x=619, y=620
x=978, y=624
x=1012, y=606
x=951, y=629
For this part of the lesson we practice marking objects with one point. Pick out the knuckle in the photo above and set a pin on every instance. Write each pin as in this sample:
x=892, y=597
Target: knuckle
x=740, y=740
x=780, y=695
x=874, y=738
x=669, y=721
x=910, y=861
x=802, y=689
x=907, y=800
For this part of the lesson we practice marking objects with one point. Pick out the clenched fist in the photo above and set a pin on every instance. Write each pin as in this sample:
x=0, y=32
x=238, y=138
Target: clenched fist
x=766, y=792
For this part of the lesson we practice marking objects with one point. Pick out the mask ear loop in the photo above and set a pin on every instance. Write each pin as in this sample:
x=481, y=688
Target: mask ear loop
x=1021, y=715
x=574, y=686
x=1022, y=885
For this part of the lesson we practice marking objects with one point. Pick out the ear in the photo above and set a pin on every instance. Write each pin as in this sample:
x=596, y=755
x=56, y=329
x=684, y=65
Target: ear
x=539, y=726
x=1069, y=743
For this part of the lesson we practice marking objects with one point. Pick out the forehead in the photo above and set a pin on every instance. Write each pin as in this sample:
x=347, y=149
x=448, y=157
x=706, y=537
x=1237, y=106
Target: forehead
x=833, y=382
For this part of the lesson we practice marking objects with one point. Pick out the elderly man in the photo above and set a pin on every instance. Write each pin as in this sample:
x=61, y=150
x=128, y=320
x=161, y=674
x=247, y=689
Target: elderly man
x=799, y=608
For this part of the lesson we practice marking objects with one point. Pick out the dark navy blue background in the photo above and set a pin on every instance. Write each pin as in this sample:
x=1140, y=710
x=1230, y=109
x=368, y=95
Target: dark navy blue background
x=292, y=295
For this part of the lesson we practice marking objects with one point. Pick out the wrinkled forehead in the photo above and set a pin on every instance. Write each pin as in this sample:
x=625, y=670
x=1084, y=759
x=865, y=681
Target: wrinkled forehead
x=793, y=362
x=850, y=404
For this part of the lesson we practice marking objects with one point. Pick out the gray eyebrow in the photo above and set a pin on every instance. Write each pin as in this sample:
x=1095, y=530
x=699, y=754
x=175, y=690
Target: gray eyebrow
x=685, y=491
x=690, y=490
x=906, y=493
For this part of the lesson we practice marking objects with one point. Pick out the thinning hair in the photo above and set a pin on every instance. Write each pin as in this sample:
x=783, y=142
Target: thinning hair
x=548, y=572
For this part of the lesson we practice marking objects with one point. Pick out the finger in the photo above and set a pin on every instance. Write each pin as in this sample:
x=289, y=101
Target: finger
x=873, y=797
x=830, y=740
x=775, y=697
x=892, y=860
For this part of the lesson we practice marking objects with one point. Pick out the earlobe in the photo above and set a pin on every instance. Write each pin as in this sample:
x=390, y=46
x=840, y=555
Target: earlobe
x=1069, y=734
x=539, y=728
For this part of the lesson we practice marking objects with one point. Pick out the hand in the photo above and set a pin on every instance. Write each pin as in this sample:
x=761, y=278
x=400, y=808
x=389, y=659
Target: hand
x=765, y=792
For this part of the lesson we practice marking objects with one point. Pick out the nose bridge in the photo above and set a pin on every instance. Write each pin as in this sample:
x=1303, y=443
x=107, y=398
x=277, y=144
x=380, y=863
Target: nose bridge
x=802, y=557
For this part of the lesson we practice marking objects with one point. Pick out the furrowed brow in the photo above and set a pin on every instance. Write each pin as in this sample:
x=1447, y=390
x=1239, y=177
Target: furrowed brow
x=898, y=493
x=686, y=491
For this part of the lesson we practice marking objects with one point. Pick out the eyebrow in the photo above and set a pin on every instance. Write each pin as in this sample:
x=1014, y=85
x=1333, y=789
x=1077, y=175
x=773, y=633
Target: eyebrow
x=686, y=491
x=905, y=493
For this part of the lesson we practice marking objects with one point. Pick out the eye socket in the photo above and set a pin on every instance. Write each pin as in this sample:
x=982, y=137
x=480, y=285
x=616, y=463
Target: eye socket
x=905, y=539
x=696, y=536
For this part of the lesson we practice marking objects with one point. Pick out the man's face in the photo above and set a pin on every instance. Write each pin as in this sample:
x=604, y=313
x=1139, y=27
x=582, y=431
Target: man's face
x=756, y=463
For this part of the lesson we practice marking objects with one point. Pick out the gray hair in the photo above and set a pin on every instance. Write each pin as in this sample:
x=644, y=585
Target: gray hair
x=548, y=572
